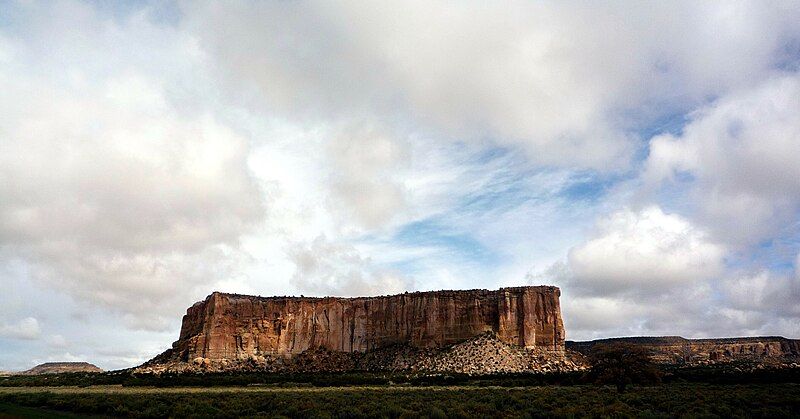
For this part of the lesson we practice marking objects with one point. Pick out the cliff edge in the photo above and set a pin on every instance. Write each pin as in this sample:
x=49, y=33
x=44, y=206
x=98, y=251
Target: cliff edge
x=227, y=329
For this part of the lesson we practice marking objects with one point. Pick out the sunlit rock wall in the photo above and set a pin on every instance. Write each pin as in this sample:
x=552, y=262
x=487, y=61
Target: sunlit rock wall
x=230, y=326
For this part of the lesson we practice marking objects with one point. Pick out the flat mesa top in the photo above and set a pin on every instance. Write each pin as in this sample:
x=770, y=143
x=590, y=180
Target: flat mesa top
x=479, y=291
x=667, y=340
x=65, y=364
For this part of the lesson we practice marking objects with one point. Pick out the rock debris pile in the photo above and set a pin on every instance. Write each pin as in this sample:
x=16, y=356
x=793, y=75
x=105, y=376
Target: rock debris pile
x=488, y=355
x=481, y=355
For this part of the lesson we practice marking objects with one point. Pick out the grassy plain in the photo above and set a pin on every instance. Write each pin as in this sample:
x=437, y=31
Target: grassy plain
x=394, y=401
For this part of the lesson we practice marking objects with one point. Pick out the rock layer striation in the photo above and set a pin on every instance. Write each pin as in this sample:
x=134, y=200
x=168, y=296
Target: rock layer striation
x=678, y=350
x=231, y=326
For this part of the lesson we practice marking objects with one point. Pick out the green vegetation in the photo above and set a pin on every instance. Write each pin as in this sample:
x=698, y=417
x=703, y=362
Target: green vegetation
x=670, y=400
x=713, y=374
x=14, y=411
x=127, y=379
x=728, y=390
x=622, y=365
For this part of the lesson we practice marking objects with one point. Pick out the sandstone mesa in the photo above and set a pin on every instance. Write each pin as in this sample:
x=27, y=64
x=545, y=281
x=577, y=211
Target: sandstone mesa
x=678, y=350
x=409, y=331
x=515, y=329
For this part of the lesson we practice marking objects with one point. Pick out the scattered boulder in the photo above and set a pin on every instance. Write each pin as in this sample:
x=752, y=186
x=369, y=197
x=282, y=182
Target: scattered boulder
x=481, y=355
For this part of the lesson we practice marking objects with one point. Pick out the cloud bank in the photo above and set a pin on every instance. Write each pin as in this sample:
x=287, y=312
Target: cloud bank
x=639, y=156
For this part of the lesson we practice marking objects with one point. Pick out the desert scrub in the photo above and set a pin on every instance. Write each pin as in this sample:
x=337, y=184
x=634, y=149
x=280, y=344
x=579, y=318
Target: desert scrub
x=669, y=400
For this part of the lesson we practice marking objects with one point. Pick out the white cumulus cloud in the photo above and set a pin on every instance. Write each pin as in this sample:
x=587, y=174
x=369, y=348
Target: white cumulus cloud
x=325, y=268
x=642, y=252
x=564, y=83
x=737, y=161
x=25, y=329
x=110, y=189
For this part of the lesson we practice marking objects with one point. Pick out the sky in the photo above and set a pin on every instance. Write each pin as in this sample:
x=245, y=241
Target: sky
x=641, y=156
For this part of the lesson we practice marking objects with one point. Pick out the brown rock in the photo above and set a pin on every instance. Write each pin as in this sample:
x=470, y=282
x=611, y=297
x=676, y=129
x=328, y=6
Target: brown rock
x=238, y=327
x=677, y=350
x=61, y=367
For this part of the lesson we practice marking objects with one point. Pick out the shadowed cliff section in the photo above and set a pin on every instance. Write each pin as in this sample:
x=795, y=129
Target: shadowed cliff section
x=678, y=350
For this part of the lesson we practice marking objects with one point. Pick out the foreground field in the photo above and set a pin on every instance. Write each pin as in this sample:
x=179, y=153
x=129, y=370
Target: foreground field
x=673, y=400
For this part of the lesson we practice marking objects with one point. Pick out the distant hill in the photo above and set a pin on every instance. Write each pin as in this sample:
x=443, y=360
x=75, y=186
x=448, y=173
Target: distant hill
x=59, y=367
x=678, y=350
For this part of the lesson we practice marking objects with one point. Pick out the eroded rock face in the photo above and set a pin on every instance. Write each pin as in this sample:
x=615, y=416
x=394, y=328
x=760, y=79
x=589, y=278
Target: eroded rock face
x=678, y=350
x=235, y=327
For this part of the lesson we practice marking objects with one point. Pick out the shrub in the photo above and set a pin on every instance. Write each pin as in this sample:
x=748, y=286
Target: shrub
x=622, y=365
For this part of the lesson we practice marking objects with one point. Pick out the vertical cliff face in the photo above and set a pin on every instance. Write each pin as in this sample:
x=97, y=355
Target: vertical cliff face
x=228, y=326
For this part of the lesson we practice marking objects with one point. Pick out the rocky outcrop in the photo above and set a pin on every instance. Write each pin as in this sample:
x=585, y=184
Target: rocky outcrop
x=231, y=329
x=487, y=355
x=678, y=350
x=480, y=355
x=61, y=367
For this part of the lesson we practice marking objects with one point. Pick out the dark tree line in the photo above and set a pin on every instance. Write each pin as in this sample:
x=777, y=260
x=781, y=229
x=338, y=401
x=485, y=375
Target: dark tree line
x=621, y=365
